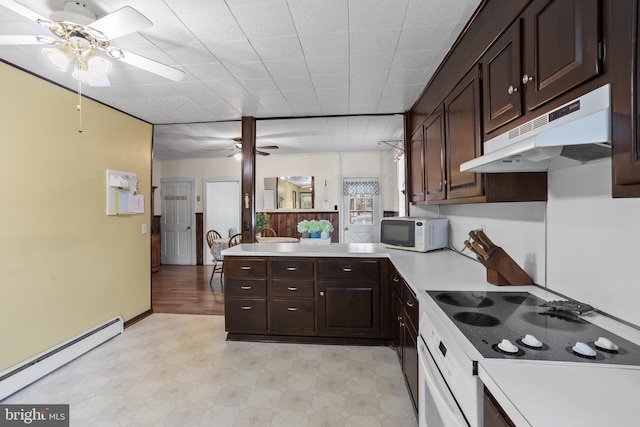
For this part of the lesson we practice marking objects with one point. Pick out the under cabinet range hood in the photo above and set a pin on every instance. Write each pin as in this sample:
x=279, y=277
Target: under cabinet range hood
x=575, y=133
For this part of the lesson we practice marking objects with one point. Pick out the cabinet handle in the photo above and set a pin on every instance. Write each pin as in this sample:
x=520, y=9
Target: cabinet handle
x=399, y=318
x=512, y=89
x=292, y=268
x=322, y=294
x=409, y=304
x=396, y=279
x=292, y=288
x=246, y=307
x=245, y=267
x=246, y=288
x=292, y=308
x=526, y=79
x=346, y=269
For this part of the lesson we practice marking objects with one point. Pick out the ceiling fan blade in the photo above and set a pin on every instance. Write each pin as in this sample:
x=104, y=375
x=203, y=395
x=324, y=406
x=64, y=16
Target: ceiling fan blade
x=262, y=153
x=21, y=10
x=152, y=66
x=17, y=40
x=268, y=147
x=100, y=82
x=121, y=22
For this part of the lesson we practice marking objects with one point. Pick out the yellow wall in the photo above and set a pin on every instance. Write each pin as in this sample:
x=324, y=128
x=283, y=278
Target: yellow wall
x=64, y=265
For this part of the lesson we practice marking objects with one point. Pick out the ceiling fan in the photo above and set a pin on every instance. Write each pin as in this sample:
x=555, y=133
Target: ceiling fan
x=238, y=141
x=81, y=41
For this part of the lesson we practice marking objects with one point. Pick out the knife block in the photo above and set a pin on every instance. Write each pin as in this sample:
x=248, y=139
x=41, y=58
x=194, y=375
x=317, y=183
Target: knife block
x=502, y=270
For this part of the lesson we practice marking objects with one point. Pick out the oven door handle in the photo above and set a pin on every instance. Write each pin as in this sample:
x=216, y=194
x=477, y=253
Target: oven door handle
x=447, y=407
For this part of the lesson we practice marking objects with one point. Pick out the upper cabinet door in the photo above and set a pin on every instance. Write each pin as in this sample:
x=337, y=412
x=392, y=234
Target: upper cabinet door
x=417, y=166
x=464, y=138
x=501, y=75
x=626, y=130
x=561, y=47
x=434, y=141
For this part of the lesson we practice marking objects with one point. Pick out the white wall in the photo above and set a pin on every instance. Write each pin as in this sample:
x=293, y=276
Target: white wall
x=581, y=243
x=592, y=241
x=199, y=169
x=325, y=166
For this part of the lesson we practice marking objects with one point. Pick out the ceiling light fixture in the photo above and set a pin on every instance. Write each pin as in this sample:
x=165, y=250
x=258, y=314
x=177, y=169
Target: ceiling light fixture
x=76, y=50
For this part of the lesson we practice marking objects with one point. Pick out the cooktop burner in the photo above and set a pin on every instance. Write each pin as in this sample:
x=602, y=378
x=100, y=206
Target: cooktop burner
x=518, y=325
x=476, y=319
x=464, y=299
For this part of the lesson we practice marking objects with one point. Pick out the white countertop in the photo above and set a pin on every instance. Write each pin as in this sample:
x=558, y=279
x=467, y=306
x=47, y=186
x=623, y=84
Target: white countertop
x=532, y=393
x=298, y=250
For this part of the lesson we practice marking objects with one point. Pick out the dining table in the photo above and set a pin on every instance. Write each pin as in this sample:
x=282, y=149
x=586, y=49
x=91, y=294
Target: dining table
x=217, y=246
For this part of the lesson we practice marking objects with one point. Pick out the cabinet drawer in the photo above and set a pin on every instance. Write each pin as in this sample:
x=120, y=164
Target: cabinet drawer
x=348, y=269
x=295, y=268
x=292, y=288
x=234, y=287
x=295, y=317
x=396, y=281
x=411, y=305
x=245, y=267
x=245, y=315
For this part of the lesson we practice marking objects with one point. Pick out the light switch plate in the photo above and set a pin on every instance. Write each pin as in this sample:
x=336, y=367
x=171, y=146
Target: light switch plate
x=144, y=228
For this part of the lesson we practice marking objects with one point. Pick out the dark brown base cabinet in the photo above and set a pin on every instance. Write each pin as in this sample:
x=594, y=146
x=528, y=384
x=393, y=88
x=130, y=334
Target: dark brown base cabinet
x=405, y=316
x=305, y=298
x=349, y=303
x=493, y=414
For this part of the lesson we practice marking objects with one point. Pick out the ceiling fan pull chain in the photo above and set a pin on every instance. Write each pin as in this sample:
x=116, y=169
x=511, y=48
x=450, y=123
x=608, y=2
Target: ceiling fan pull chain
x=79, y=106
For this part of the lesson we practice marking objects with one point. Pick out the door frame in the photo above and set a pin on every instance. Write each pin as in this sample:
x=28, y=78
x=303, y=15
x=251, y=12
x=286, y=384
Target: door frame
x=192, y=214
x=377, y=205
x=205, y=246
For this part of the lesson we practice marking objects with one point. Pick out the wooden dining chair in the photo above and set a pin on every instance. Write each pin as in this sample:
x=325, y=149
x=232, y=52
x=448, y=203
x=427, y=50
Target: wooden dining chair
x=217, y=263
x=268, y=232
x=236, y=239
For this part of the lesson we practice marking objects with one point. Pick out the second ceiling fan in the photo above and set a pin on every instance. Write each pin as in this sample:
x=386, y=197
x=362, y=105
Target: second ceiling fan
x=238, y=141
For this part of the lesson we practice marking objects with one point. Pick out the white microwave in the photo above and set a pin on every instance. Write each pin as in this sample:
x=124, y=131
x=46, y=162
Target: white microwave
x=414, y=234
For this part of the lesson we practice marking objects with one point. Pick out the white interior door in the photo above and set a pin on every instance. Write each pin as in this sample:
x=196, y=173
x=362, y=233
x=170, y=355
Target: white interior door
x=177, y=224
x=361, y=210
x=221, y=209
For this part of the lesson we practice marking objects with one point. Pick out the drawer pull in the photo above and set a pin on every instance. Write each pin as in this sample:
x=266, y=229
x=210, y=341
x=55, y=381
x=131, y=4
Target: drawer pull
x=292, y=268
x=292, y=288
x=292, y=308
x=246, y=307
x=346, y=269
x=409, y=304
x=245, y=288
x=245, y=267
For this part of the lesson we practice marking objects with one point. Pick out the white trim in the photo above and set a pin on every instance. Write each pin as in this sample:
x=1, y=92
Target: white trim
x=36, y=367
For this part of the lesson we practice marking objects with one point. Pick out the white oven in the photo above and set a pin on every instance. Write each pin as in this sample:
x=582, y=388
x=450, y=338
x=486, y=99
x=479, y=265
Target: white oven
x=449, y=394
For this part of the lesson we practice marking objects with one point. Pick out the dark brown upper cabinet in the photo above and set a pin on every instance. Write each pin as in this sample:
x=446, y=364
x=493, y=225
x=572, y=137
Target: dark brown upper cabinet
x=562, y=45
x=501, y=80
x=626, y=147
x=434, y=141
x=464, y=137
x=555, y=46
x=417, y=166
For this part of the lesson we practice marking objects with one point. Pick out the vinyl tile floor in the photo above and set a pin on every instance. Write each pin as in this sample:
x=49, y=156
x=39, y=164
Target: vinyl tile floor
x=178, y=370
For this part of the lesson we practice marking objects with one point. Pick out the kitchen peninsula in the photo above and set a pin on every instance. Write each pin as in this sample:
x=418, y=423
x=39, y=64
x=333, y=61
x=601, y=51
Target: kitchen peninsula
x=268, y=282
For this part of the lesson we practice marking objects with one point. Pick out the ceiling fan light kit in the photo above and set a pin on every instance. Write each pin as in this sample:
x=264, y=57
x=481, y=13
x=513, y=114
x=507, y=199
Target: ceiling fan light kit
x=80, y=36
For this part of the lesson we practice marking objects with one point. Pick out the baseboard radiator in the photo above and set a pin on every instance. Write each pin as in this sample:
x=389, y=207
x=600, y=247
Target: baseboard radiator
x=24, y=373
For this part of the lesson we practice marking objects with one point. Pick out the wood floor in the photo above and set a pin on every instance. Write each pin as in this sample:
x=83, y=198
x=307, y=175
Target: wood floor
x=184, y=289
